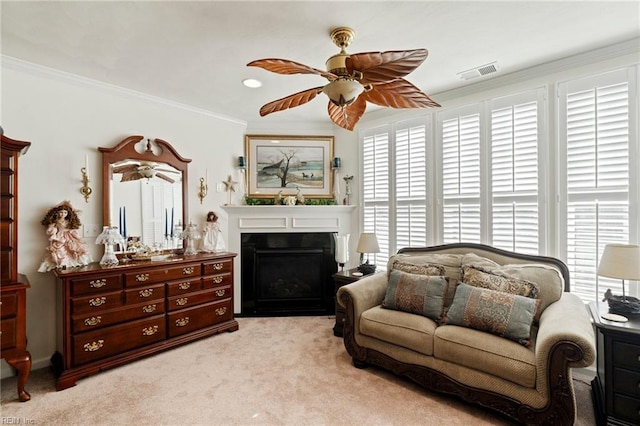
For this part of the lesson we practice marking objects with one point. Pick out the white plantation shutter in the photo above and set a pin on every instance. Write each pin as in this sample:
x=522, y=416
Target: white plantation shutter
x=461, y=178
x=411, y=190
x=514, y=177
x=375, y=182
x=596, y=130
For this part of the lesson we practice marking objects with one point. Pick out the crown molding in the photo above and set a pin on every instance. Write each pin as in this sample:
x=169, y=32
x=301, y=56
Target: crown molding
x=8, y=62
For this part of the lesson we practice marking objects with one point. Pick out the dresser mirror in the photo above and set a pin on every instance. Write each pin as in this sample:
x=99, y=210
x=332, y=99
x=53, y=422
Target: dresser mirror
x=144, y=183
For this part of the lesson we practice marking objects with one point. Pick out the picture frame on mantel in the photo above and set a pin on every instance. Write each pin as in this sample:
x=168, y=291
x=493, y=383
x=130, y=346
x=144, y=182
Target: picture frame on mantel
x=285, y=164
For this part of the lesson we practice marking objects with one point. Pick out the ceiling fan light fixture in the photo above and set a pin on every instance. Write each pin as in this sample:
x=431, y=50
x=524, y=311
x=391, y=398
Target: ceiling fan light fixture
x=343, y=92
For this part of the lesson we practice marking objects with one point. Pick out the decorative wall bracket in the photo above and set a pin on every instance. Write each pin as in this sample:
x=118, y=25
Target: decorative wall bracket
x=202, y=190
x=85, y=190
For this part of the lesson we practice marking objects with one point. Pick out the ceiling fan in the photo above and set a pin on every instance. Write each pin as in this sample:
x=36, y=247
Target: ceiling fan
x=354, y=80
x=143, y=169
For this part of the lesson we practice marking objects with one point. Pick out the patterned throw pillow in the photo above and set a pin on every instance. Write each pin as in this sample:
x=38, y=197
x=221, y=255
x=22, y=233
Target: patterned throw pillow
x=480, y=277
x=506, y=315
x=412, y=268
x=417, y=294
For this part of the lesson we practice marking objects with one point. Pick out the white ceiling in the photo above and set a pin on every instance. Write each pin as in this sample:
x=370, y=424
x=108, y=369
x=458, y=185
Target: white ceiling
x=196, y=53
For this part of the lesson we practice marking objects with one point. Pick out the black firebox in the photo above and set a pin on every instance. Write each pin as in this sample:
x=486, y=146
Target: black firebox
x=284, y=274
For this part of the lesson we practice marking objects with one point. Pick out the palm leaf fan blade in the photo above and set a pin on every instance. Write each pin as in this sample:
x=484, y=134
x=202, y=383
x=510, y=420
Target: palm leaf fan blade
x=347, y=117
x=399, y=94
x=287, y=67
x=290, y=101
x=380, y=67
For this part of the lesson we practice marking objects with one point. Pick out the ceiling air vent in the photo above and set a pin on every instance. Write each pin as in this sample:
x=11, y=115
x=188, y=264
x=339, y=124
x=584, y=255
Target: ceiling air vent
x=479, y=71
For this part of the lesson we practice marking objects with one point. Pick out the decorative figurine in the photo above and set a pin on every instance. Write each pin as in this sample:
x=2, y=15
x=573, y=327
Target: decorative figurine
x=66, y=249
x=347, y=180
x=212, y=240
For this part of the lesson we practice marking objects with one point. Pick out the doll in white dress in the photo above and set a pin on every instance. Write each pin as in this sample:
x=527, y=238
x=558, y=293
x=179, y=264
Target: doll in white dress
x=212, y=240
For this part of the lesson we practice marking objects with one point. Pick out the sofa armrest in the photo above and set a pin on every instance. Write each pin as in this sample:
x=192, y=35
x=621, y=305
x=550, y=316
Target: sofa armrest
x=565, y=321
x=365, y=293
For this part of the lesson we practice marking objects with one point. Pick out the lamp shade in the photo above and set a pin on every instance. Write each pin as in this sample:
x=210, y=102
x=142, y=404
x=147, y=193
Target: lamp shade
x=343, y=92
x=368, y=243
x=621, y=261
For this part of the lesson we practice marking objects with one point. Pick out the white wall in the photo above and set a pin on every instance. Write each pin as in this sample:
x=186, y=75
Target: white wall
x=66, y=118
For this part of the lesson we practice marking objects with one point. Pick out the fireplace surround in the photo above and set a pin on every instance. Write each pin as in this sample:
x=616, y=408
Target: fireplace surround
x=281, y=220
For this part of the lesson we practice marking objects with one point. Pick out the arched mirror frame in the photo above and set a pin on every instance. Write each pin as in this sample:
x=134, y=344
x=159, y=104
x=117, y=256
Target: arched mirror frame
x=125, y=150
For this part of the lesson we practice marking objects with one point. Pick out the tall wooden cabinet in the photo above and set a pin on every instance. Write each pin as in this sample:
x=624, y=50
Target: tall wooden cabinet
x=114, y=315
x=13, y=286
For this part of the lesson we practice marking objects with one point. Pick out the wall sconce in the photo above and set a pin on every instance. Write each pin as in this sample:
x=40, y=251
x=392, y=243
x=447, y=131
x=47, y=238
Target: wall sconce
x=204, y=188
x=85, y=190
x=336, y=163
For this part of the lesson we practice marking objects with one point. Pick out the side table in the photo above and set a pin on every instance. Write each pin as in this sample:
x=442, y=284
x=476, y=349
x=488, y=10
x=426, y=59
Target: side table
x=616, y=387
x=340, y=279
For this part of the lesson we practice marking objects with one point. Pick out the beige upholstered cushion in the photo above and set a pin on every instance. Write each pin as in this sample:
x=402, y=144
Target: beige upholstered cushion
x=486, y=352
x=428, y=269
x=494, y=279
x=400, y=328
x=450, y=262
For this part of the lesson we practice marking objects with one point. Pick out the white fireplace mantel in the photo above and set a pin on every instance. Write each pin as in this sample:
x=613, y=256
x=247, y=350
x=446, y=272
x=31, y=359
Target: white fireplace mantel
x=272, y=219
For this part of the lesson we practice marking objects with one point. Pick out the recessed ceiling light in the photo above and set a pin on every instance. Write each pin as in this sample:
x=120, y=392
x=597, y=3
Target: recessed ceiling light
x=252, y=83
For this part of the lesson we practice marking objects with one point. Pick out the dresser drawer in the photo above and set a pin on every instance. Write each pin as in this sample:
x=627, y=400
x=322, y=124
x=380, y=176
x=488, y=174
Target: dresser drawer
x=9, y=305
x=626, y=408
x=81, y=323
x=223, y=292
x=162, y=274
x=102, y=284
x=95, y=345
x=217, y=280
x=183, y=286
x=8, y=327
x=217, y=267
x=187, y=320
x=626, y=355
x=188, y=300
x=96, y=303
x=144, y=294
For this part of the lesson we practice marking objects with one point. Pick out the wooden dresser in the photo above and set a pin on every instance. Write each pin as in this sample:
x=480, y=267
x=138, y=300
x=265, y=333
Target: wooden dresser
x=114, y=315
x=13, y=286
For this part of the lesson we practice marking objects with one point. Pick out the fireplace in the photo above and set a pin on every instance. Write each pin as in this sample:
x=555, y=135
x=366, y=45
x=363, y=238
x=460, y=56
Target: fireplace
x=243, y=220
x=287, y=273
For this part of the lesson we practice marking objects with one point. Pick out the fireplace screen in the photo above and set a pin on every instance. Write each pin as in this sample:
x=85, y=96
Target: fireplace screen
x=287, y=274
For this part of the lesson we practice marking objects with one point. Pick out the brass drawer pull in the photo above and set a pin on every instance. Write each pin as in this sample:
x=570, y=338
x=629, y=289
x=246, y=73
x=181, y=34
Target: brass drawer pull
x=181, y=322
x=217, y=280
x=221, y=311
x=98, y=283
x=98, y=301
x=182, y=301
x=188, y=270
x=146, y=292
x=93, y=320
x=150, y=331
x=142, y=277
x=220, y=293
x=149, y=308
x=217, y=266
x=93, y=346
x=184, y=286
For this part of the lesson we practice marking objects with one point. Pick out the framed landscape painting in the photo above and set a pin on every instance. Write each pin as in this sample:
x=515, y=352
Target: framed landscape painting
x=287, y=164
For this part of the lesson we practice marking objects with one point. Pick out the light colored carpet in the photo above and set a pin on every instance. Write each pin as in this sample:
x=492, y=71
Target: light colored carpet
x=273, y=371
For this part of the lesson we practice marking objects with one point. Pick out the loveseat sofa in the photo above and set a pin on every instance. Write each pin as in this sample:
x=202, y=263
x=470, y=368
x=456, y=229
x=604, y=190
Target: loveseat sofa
x=507, y=342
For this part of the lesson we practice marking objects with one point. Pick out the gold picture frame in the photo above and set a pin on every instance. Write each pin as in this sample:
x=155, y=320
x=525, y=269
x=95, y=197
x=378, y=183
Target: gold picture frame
x=286, y=164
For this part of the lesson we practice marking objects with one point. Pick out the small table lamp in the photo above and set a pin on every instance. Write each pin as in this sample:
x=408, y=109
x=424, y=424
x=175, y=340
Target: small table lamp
x=110, y=237
x=621, y=261
x=368, y=243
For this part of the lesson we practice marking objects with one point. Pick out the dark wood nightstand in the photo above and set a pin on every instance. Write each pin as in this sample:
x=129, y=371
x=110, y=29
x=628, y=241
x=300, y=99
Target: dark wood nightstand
x=616, y=387
x=341, y=278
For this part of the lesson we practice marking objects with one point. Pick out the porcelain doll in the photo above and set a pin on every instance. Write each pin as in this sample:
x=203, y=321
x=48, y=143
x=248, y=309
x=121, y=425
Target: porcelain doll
x=66, y=249
x=212, y=239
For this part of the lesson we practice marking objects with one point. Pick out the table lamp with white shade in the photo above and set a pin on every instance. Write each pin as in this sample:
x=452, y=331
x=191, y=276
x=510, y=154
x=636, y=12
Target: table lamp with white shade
x=621, y=261
x=368, y=243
